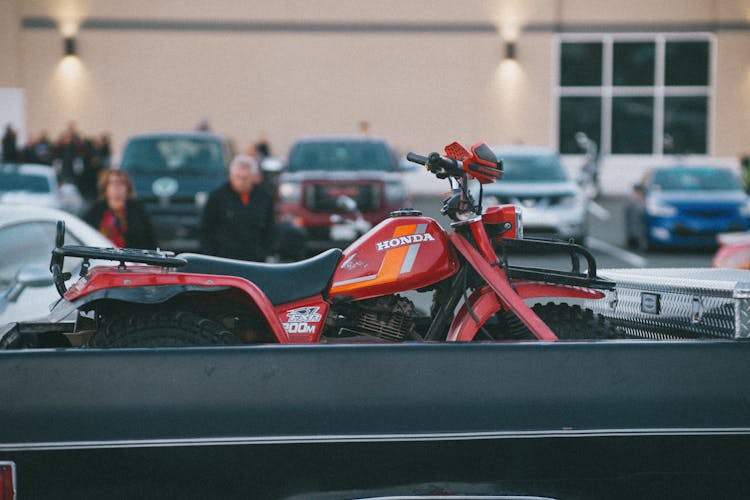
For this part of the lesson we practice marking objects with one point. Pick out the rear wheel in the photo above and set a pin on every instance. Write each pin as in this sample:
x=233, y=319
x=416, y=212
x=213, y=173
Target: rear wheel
x=161, y=329
x=568, y=323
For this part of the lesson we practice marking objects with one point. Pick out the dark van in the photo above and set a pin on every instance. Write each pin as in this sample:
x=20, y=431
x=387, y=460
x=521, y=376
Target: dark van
x=173, y=173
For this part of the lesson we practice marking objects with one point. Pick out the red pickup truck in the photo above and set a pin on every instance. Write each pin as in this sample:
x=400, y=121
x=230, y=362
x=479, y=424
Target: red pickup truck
x=334, y=188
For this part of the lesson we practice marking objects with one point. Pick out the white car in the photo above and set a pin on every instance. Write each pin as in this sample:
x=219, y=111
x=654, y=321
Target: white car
x=552, y=204
x=32, y=184
x=27, y=237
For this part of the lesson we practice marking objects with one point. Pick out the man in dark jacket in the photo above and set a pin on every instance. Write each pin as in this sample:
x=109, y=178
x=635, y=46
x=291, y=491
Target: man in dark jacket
x=238, y=219
x=10, y=145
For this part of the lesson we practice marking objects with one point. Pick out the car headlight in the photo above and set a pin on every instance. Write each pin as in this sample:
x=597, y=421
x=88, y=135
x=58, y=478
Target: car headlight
x=290, y=191
x=657, y=208
x=745, y=209
x=201, y=197
x=395, y=191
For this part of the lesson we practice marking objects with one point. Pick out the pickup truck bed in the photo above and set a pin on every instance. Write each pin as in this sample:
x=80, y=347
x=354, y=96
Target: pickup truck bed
x=566, y=420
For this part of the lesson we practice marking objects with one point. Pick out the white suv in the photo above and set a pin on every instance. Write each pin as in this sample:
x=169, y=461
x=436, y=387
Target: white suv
x=553, y=206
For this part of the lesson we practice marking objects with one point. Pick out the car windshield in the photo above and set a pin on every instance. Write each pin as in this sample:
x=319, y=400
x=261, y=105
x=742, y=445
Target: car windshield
x=170, y=155
x=15, y=181
x=532, y=168
x=692, y=179
x=340, y=156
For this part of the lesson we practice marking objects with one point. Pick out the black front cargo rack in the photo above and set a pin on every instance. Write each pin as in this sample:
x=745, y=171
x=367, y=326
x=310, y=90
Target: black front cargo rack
x=575, y=276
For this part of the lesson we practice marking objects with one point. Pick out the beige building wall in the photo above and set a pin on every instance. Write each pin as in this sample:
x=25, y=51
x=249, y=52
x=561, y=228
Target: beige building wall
x=420, y=88
x=732, y=116
x=9, y=53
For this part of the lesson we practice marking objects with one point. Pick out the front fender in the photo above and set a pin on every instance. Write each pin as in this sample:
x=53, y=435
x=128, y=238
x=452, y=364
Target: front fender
x=483, y=303
x=537, y=289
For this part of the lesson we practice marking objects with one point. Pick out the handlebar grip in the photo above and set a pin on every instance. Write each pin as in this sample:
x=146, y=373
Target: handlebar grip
x=437, y=164
x=415, y=158
x=442, y=165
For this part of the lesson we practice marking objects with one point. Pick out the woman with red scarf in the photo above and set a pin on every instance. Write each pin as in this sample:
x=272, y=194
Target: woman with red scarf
x=117, y=214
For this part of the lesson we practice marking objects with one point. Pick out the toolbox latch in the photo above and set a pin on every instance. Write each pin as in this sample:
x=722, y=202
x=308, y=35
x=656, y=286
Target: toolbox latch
x=696, y=310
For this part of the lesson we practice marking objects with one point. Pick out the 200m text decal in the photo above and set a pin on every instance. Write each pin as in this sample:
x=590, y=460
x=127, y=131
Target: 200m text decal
x=302, y=320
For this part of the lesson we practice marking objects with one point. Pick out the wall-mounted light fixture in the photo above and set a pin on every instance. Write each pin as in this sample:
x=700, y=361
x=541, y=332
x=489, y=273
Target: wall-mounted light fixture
x=510, y=50
x=69, y=46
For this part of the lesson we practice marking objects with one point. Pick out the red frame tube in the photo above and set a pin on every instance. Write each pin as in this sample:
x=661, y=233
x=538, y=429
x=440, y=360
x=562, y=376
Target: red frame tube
x=498, y=281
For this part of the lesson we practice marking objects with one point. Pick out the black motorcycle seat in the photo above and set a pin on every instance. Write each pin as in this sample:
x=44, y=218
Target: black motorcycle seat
x=281, y=283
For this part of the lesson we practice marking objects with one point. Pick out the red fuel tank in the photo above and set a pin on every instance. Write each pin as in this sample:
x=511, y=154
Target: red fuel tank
x=399, y=254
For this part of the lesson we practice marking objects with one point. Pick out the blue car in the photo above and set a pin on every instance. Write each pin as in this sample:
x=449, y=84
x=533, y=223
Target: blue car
x=685, y=206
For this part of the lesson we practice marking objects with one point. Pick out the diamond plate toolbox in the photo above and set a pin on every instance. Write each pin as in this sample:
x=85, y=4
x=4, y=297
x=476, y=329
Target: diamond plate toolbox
x=674, y=303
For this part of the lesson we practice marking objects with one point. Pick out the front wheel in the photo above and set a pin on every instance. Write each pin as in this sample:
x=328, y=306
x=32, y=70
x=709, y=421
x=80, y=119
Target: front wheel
x=566, y=321
x=161, y=329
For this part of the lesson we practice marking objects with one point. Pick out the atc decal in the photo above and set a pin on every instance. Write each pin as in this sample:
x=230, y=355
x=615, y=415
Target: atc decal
x=302, y=320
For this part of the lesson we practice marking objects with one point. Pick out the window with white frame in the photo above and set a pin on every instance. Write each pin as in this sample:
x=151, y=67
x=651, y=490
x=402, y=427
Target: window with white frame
x=635, y=94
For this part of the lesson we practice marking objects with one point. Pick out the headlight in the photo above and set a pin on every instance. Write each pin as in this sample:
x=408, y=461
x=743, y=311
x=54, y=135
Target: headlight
x=201, y=197
x=290, y=191
x=745, y=209
x=395, y=191
x=660, y=209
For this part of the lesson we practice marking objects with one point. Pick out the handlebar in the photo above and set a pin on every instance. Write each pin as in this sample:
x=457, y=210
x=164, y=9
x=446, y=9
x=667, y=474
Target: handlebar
x=460, y=204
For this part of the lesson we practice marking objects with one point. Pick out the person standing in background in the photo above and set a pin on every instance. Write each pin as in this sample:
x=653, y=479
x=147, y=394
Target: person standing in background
x=96, y=154
x=68, y=152
x=39, y=150
x=238, y=219
x=118, y=215
x=10, y=145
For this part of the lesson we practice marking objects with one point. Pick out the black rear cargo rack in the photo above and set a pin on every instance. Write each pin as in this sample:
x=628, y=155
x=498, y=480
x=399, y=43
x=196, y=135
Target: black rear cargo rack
x=121, y=255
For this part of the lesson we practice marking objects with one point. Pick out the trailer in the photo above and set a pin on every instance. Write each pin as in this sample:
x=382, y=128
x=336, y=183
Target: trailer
x=630, y=418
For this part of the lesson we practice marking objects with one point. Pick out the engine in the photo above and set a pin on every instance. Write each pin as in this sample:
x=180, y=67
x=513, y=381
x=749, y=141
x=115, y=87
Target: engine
x=390, y=318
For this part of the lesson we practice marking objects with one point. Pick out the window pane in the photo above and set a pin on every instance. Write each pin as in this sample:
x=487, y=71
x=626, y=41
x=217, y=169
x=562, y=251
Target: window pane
x=634, y=63
x=579, y=114
x=685, y=125
x=632, y=125
x=580, y=64
x=686, y=63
